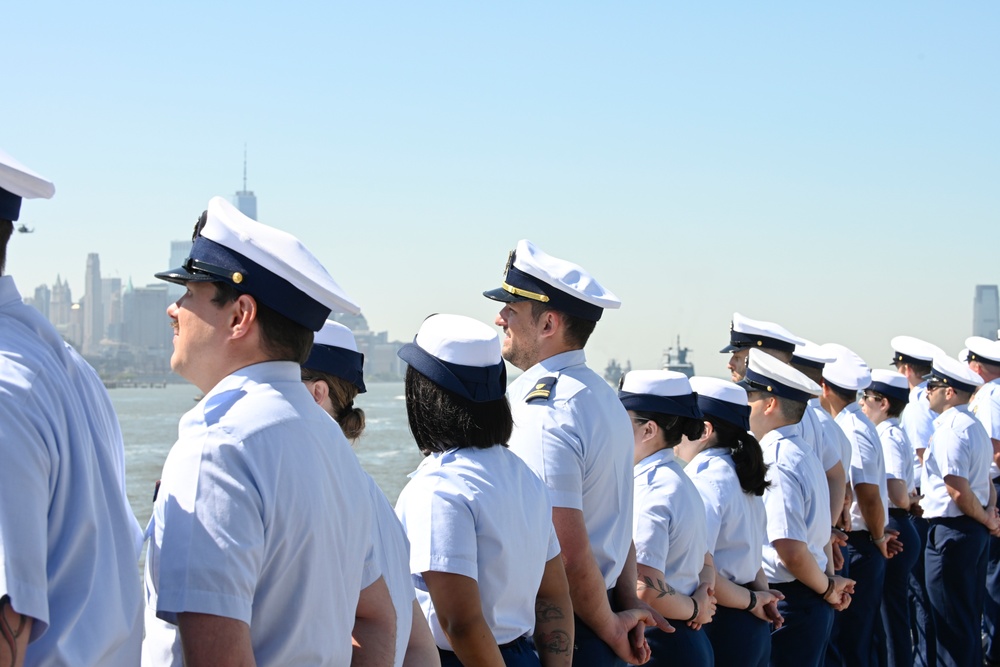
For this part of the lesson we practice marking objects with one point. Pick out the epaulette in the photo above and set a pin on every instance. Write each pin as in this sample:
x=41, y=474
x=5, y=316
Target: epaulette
x=542, y=389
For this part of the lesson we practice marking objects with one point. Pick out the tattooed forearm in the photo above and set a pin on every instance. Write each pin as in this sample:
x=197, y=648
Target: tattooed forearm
x=661, y=587
x=546, y=612
x=9, y=632
x=556, y=642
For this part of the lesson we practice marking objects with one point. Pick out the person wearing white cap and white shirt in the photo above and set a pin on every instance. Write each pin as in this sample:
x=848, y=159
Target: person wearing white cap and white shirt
x=257, y=466
x=69, y=542
x=746, y=334
x=913, y=357
x=960, y=504
x=334, y=375
x=483, y=551
x=868, y=543
x=727, y=467
x=573, y=432
x=796, y=555
x=883, y=401
x=983, y=357
x=675, y=571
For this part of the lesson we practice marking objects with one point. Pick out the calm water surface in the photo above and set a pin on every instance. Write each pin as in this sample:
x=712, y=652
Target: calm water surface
x=149, y=425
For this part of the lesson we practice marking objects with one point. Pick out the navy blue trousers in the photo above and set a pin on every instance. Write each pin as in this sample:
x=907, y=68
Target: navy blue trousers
x=589, y=649
x=955, y=570
x=683, y=647
x=516, y=654
x=852, y=640
x=921, y=618
x=991, y=608
x=739, y=639
x=895, y=628
x=801, y=641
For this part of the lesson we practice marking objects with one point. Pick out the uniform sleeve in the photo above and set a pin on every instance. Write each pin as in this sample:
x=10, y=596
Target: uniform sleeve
x=712, y=500
x=951, y=454
x=371, y=570
x=651, y=523
x=561, y=465
x=554, y=548
x=212, y=543
x=785, y=504
x=988, y=413
x=440, y=524
x=865, y=457
x=897, y=452
x=24, y=480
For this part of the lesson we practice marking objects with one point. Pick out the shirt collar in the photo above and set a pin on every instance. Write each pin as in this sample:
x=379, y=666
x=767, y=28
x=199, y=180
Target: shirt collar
x=705, y=455
x=267, y=372
x=657, y=458
x=8, y=291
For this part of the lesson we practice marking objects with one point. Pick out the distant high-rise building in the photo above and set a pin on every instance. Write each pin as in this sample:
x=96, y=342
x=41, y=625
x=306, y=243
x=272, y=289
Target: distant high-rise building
x=93, y=314
x=245, y=200
x=986, y=312
x=179, y=251
x=145, y=324
x=42, y=300
x=60, y=304
x=111, y=289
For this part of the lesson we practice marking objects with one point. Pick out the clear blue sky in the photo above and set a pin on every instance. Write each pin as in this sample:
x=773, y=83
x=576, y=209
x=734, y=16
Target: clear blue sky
x=834, y=167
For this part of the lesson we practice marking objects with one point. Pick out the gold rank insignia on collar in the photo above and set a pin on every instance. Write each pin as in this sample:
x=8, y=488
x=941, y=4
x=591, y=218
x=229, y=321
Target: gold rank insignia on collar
x=542, y=389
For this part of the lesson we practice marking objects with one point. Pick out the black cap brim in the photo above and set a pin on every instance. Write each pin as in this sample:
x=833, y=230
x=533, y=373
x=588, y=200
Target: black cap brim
x=500, y=294
x=180, y=275
x=731, y=348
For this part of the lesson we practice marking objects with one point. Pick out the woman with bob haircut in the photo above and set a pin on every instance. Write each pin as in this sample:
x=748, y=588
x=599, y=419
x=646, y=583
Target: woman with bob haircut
x=675, y=572
x=334, y=376
x=727, y=466
x=483, y=552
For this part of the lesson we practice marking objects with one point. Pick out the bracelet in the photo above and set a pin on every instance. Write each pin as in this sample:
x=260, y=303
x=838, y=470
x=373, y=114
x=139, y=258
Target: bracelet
x=753, y=601
x=829, y=587
x=694, y=615
x=880, y=540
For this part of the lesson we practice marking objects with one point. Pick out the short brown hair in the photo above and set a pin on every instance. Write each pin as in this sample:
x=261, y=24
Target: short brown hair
x=577, y=329
x=283, y=339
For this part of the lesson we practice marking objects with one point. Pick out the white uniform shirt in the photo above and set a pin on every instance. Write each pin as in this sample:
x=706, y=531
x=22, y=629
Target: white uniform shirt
x=735, y=521
x=483, y=514
x=668, y=525
x=898, y=453
x=797, y=502
x=69, y=543
x=917, y=422
x=263, y=516
x=579, y=441
x=986, y=406
x=816, y=432
x=958, y=447
x=867, y=461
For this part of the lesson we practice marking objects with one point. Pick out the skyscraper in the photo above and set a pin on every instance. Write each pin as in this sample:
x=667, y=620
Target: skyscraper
x=93, y=315
x=145, y=325
x=245, y=200
x=179, y=251
x=112, y=293
x=986, y=312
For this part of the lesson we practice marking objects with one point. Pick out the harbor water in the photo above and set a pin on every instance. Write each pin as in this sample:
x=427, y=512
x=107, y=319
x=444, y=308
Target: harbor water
x=149, y=417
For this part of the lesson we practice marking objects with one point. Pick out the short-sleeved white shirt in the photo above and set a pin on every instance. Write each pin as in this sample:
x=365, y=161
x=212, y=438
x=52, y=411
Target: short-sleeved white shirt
x=897, y=452
x=867, y=461
x=816, y=433
x=579, y=441
x=669, y=521
x=482, y=514
x=986, y=406
x=69, y=542
x=264, y=516
x=959, y=447
x=797, y=502
x=917, y=422
x=735, y=521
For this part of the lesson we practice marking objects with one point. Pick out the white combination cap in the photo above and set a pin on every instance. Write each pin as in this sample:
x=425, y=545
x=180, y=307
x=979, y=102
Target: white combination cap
x=665, y=392
x=910, y=350
x=267, y=263
x=954, y=373
x=459, y=354
x=745, y=332
x=533, y=275
x=812, y=355
x=335, y=351
x=891, y=384
x=767, y=373
x=17, y=182
x=722, y=399
x=849, y=371
x=983, y=349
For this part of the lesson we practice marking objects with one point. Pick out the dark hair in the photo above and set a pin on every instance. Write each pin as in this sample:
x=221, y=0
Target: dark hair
x=847, y=395
x=674, y=427
x=440, y=419
x=6, y=230
x=283, y=339
x=814, y=374
x=895, y=405
x=747, y=455
x=577, y=330
x=791, y=411
x=342, y=395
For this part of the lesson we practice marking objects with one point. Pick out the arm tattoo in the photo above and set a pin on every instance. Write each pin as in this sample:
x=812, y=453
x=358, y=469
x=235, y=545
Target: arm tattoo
x=10, y=635
x=556, y=641
x=661, y=587
x=546, y=612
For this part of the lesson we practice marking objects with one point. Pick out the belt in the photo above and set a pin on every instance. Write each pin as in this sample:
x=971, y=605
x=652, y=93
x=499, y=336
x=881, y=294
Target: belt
x=898, y=512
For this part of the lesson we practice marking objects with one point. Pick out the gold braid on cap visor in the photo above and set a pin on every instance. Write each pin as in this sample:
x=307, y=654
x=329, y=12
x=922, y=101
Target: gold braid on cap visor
x=534, y=296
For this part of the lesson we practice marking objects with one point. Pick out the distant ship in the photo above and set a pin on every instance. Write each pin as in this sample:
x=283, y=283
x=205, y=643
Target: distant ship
x=675, y=359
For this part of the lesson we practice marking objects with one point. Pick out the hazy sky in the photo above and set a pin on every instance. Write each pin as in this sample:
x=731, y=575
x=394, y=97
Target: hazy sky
x=833, y=167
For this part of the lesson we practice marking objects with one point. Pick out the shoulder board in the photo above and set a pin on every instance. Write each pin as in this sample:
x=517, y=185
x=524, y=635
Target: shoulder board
x=542, y=389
